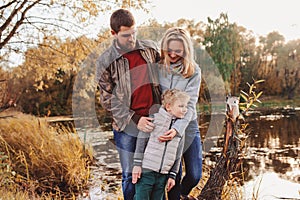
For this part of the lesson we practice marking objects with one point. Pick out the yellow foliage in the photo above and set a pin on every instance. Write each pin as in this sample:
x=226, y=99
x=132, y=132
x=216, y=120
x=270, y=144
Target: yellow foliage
x=45, y=160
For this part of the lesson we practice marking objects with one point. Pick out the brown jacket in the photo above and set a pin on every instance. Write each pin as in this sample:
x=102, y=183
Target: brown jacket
x=113, y=79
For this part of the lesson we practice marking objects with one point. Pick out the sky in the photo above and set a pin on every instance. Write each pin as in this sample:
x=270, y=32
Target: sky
x=260, y=16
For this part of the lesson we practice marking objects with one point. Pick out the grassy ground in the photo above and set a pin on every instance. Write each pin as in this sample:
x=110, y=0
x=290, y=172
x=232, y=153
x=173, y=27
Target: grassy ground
x=277, y=102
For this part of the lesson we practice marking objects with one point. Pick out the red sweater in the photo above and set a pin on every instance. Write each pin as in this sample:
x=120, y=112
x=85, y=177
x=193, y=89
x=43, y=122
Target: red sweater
x=141, y=97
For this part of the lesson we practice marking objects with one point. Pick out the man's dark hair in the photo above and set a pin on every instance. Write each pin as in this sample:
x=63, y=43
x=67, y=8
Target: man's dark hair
x=120, y=18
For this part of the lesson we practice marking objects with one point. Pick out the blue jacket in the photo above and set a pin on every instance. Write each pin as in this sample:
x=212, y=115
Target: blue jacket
x=191, y=85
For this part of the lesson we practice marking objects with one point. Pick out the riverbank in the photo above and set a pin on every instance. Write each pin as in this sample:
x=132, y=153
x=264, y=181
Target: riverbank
x=267, y=103
x=275, y=102
x=105, y=175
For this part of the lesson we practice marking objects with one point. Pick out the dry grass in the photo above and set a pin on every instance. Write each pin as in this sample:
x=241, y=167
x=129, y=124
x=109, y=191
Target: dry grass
x=232, y=189
x=41, y=160
x=205, y=176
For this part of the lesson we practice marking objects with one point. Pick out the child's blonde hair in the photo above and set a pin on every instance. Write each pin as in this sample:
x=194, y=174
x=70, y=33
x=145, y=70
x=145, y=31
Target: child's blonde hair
x=171, y=95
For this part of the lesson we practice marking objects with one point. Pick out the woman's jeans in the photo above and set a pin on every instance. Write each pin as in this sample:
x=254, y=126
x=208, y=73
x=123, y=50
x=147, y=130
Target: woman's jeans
x=125, y=144
x=192, y=156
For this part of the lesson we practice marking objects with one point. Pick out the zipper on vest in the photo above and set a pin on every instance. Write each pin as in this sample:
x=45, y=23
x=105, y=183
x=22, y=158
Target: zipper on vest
x=162, y=159
x=165, y=149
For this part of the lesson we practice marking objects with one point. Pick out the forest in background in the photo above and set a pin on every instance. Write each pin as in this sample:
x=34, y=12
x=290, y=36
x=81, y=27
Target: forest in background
x=43, y=84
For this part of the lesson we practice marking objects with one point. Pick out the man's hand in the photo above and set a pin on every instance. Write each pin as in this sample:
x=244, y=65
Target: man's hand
x=169, y=135
x=145, y=124
x=170, y=184
x=136, y=174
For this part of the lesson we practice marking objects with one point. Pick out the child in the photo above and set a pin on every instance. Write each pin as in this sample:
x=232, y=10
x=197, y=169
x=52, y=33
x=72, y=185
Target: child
x=161, y=160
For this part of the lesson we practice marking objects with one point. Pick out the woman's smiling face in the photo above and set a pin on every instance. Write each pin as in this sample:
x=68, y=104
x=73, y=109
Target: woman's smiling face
x=175, y=50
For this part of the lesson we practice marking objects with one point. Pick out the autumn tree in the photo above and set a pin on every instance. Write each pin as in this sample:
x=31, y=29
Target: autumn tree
x=289, y=69
x=3, y=90
x=223, y=42
x=249, y=57
x=46, y=77
x=48, y=34
x=267, y=67
x=26, y=23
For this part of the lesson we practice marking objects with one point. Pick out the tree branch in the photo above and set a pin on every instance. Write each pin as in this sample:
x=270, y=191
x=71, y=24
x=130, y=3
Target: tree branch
x=18, y=23
x=7, y=5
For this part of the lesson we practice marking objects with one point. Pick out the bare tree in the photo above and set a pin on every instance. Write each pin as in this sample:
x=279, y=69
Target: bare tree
x=25, y=23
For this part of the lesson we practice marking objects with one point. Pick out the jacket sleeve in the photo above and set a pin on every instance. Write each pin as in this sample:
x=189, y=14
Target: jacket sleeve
x=105, y=84
x=141, y=144
x=175, y=168
x=109, y=94
x=192, y=89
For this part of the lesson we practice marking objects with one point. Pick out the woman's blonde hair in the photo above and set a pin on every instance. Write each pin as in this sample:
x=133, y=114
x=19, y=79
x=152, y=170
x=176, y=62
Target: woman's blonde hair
x=179, y=34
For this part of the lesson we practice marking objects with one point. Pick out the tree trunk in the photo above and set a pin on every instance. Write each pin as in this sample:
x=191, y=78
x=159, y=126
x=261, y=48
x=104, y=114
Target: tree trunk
x=228, y=161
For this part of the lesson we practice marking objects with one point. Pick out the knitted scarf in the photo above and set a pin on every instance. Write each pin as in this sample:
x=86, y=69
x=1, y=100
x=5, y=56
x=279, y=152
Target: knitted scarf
x=177, y=67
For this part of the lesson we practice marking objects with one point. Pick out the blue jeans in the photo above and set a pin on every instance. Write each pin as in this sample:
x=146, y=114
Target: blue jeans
x=126, y=146
x=192, y=155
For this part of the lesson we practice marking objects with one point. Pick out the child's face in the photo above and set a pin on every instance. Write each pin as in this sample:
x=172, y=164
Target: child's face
x=178, y=108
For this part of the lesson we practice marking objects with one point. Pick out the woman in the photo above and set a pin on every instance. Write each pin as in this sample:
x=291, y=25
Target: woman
x=178, y=69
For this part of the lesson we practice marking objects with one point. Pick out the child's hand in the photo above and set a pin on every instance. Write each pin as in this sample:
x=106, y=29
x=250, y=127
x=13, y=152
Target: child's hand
x=136, y=174
x=169, y=135
x=170, y=184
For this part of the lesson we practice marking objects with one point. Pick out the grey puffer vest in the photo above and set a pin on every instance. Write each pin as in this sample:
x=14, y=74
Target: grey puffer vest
x=161, y=156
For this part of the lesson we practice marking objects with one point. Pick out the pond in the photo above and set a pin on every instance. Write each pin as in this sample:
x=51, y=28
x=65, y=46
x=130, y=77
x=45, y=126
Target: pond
x=273, y=158
x=271, y=163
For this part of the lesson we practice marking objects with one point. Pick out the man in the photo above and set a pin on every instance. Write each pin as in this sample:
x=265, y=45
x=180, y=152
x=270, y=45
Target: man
x=129, y=89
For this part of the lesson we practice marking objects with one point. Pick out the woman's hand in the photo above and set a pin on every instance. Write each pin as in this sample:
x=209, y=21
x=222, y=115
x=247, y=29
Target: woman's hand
x=169, y=135
x=136, y=174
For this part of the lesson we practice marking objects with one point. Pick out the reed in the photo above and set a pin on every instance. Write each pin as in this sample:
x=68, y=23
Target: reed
x=231, y=190
x=42, y=160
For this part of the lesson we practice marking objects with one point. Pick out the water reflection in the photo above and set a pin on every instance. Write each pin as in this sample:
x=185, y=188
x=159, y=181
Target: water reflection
x=275, y=146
